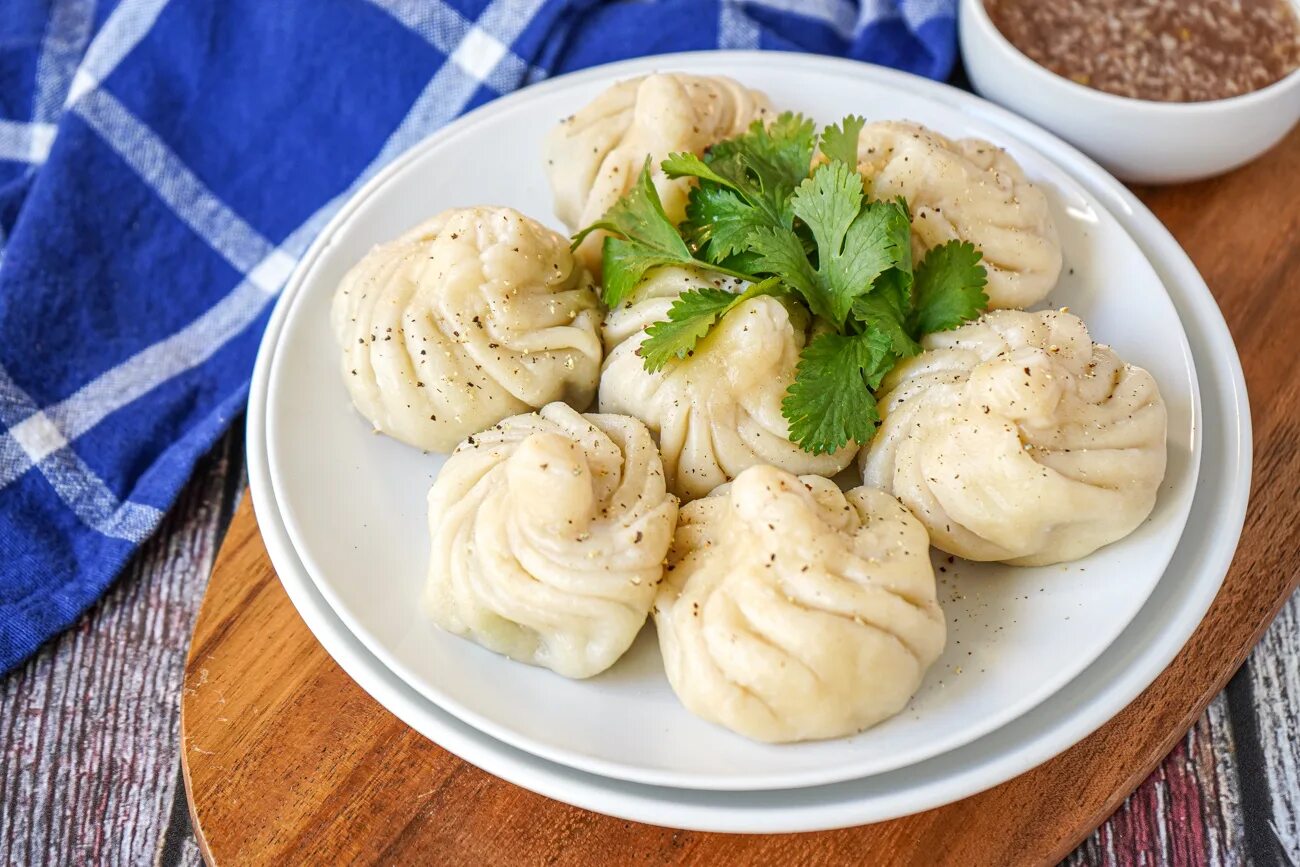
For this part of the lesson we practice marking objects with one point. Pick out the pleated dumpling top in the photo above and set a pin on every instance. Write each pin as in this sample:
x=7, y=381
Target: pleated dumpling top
x=549, y=532
x=791, y=611
x=473, y=316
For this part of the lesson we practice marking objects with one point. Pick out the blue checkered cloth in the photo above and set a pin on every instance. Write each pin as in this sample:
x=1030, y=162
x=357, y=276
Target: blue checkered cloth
x=163, y=164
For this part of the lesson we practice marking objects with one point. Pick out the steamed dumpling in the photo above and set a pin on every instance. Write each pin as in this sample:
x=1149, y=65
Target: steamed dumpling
x=593, y=157
x=791, y=611
x=717, y=412
x=1017, y=438
x=549, y=535
x=652, y=298
x=967, y=190
x=472, y=316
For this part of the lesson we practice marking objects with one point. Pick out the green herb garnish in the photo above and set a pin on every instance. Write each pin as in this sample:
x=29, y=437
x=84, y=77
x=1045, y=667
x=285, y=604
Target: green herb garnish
x=641, y=238
x=691, y=316
x=816, y=240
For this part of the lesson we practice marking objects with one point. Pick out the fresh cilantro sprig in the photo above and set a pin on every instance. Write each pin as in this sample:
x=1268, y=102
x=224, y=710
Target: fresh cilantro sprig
x=830, y=402
x=949, y=286
x=839, y=143
x=813, y=238
x=641, y=238
x=746, y=184
x=857, y=241
x=691, y=316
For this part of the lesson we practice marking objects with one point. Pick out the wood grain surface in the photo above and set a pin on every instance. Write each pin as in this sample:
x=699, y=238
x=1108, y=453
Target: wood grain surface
x=89, y=727
x=286, y=759
x=1213, y=792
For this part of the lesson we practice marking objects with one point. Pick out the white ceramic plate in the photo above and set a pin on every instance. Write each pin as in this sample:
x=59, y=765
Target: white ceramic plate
x=1126, y=668
x=353, y=502
x=1119, y=674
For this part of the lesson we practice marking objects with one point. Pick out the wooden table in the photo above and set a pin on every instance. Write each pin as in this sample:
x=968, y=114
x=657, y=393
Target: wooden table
x=88, y=745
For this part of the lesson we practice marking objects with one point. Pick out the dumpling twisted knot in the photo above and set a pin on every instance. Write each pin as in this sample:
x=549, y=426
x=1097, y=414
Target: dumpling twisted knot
x=792, y=611
x=717, y=412
x=549, y=536
x=1017, y=438
x=968, y=190
x=472, y=316
x=594, y=156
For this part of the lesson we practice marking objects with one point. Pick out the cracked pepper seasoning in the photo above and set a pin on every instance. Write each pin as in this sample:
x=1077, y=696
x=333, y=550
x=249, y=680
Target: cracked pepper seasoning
x=1163, y=50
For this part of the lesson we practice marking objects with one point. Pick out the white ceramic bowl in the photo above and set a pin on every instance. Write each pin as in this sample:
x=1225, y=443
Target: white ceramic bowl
x=1138, y=140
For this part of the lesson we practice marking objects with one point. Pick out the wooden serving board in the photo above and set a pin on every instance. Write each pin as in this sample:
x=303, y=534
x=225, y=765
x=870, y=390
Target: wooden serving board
x=287, y=760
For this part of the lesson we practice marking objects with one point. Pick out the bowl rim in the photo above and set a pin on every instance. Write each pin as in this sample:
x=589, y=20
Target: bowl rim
x=974, y=13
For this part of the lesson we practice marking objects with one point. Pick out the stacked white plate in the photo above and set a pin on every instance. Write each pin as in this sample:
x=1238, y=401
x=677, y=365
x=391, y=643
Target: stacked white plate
x=1036, y=659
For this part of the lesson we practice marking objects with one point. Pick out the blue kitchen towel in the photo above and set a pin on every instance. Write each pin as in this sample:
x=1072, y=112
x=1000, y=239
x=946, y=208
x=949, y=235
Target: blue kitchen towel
x=163, y=163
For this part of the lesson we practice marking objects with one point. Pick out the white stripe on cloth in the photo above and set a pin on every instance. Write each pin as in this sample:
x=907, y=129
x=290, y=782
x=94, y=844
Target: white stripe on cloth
x=452, y=86
x=480, y=49
x=841, y=16
x=736, y=29
x=203, y=211
x=442, y=100
x=43, y=437
x=66, y=33
x=918, y=12
x=506, y=20
x=266, y=267
x=200, y=339
x=913, y=13
x=168, y=358
x=122, y=31
x=33, y=433
x=42, y=444
x=25, y=142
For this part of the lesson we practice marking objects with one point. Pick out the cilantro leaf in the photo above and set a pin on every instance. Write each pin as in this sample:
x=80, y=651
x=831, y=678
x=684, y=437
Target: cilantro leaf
x=876, y=241
x=641, y=237
x=690, y=318
x=856, y=242
x=741, y=263
x=779, y=251
x=830, y=402
x=841, y=142
x=776, y=156
x=826, y=250
x=898, y=238
x=745, y=184
x=829, y=202
x=688, y=165
x=949, y=288
x=719, y=221
x=889, y=303
x=881, y=311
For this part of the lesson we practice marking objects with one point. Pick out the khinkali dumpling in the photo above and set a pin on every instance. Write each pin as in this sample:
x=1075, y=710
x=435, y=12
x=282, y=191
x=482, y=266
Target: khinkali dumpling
x=472, y=316
x=549, y=535
x=594, y=156
x=791, y=611
x=717, y=412
x=1017, y=438
x=652, y=298
x=969, y=190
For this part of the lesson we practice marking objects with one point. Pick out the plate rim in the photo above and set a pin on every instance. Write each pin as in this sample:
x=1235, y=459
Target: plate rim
x=1154, y=653
x=804, y=777
x=663, y=806
x=957, y=100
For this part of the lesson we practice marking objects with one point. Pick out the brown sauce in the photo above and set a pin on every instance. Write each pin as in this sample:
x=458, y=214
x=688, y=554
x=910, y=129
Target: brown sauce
x=1166, y=50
